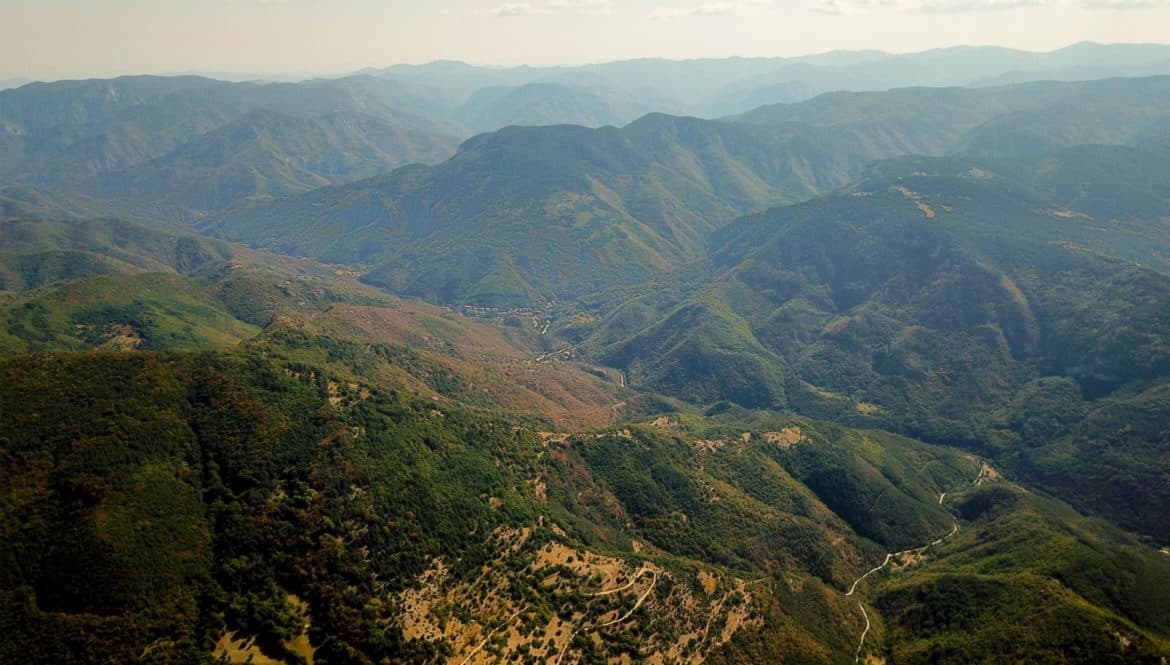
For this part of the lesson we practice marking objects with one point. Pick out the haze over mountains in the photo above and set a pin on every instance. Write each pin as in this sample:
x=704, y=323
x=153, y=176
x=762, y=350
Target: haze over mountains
x=88, y=136
x=527, y=215
x=714, y=88
x=447, y=364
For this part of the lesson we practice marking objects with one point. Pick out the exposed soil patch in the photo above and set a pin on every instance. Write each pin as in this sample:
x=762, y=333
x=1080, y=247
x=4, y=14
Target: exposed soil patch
x=121, y=337
x=711, y=445
x=709, y=582
x=236, y=648
x=986, y=475
x=787, y=437
x=663, y=422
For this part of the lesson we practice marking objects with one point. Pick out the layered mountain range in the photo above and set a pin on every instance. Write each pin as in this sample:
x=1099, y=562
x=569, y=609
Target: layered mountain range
x=304, y=373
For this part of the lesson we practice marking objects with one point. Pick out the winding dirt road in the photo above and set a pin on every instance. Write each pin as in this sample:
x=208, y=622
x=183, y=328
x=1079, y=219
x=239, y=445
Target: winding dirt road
x=493, y=632
x=857, y=656
x=641, y=599
x=916, y=550
x=985, y=472
x=632, y=582
x=871, y=572
x=644, y=570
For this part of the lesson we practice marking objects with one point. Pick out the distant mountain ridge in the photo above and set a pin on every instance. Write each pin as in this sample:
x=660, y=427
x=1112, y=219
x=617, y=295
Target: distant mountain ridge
x=716, y=87
x=141, y=136
x=533, y=214
x=268, y=155
x=574, y=209
x=64, y=134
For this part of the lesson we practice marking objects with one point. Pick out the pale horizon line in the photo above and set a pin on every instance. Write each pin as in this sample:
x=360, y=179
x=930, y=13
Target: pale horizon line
x=244, y=76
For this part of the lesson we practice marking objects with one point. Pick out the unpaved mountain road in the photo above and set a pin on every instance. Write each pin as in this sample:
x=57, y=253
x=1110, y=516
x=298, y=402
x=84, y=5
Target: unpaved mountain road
x=861, y=645
x=493, y=632
x=644, y=570
x=986, y=473
x=634, y=580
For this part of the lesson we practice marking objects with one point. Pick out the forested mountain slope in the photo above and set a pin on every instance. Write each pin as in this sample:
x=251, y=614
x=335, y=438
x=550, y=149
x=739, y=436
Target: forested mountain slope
x=181, y=505
x=946, y=300
x=531, y=215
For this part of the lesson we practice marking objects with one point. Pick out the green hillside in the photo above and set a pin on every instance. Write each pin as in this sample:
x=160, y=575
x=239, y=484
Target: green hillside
x=38, y=253
x=147, y=310
x=572, y=210
x=233, y=495
x=24, y=202
x=308, y=313
x=527, y=215
x=185, y=504
x=943, y=300
x=975, y=605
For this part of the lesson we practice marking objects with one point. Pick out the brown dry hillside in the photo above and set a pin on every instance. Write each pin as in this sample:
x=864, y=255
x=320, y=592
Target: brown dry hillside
x=504, y=368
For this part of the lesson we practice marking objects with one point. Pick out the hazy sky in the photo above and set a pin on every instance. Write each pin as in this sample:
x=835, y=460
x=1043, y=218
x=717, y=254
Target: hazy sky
x=50, y=39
